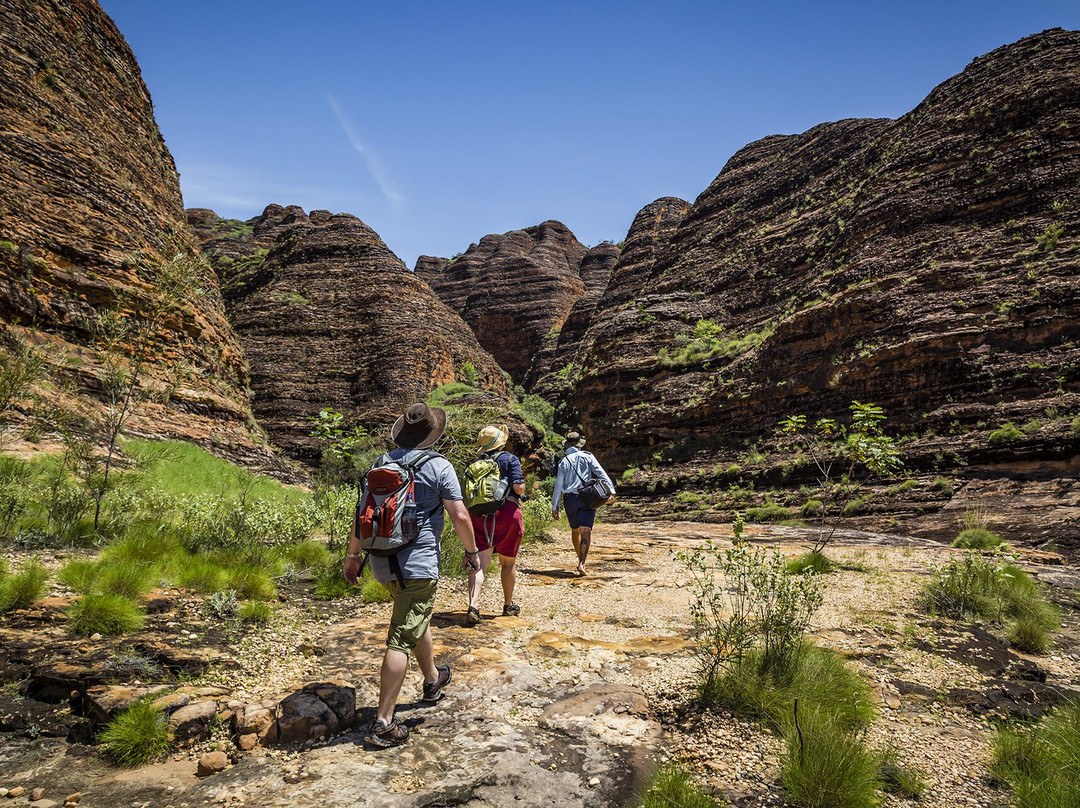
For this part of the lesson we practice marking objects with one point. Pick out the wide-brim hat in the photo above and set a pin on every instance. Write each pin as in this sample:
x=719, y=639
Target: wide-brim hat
x=575, y=439
x=491, y=438
x=419, y=427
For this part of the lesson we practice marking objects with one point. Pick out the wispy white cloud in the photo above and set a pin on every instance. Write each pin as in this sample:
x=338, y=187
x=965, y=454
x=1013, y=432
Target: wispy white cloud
x=371, y=160
x=234, y=191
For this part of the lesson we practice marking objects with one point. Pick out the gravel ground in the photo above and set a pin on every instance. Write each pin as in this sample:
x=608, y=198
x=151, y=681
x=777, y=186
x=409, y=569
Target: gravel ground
x=636, y=589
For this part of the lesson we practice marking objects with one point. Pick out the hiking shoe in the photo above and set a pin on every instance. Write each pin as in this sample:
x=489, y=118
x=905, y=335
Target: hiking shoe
x=472, y=616
x=379, y=734
x=433, y=691
x=511, y=610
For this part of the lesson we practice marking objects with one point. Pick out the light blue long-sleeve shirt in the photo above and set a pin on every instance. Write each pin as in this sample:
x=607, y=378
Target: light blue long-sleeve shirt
x=576, y=469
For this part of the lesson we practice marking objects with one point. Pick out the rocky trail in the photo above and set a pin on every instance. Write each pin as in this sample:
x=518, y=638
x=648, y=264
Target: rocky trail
x=571, y=703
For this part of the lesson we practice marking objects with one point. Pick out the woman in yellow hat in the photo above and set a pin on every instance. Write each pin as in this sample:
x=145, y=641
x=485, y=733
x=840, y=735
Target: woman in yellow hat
x=499, y=532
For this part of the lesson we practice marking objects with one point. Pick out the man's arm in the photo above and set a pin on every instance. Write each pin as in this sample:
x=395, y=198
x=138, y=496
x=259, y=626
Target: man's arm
x=455, y=509
x=556, y=494
x=351, y=569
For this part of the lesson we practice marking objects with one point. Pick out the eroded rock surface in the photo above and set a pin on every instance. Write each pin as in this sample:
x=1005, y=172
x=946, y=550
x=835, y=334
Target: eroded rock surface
x=91, y=219
x=517, y=289
x=330, y=317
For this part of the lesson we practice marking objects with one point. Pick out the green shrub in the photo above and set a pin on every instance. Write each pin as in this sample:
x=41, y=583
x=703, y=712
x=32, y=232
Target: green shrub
x=671, y=786
x=769, y=512
x=812, y=507
x=1074, y=427
x=222, y=605
x=1041, y=764
x=19, y=590
x=978, y=538
x=1007, y=433
x=825, y=765
x=256, y=611
x=756, y=611
x=138, y=735
x=104, y=614
x=536, y=515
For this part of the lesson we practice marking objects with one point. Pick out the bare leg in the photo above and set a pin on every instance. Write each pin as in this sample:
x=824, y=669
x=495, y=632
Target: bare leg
x=425, y=656
x=575, y=536
x=476, y=579
x=394, y=665
x=583, y=548
x=509, y=578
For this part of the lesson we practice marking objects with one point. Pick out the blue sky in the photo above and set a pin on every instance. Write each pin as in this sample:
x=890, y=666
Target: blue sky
x=439, y=122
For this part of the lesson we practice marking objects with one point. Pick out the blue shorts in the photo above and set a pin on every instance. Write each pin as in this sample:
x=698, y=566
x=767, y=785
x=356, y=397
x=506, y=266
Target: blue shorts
x=576, y=512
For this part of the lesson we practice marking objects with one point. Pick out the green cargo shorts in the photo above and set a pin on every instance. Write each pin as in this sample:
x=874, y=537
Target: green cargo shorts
x=413, y=604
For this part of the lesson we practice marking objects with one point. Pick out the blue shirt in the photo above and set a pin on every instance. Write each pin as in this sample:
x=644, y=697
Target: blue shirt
x=509, y=467
x=576, y=469
x=435, y=481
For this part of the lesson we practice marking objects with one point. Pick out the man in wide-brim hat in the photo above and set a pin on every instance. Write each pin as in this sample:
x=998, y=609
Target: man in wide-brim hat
x=412, y=573
x=576, y=469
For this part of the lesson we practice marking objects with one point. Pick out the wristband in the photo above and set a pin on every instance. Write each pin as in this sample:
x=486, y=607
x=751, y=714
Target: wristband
x=472, y=552
x=354, y=555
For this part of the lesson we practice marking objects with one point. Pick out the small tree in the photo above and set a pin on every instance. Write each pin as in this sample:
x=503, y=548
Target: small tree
x=125, y=337
x=751, y=604
x=21, y=364
x=845, y=458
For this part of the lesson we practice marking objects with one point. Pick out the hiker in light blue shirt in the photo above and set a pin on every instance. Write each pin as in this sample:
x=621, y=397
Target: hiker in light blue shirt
x=575, y=470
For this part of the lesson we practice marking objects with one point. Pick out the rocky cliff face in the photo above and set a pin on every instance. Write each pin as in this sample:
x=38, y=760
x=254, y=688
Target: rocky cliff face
x=91, y=219
x=928, y=264
x=330, y=317
x=515, y=291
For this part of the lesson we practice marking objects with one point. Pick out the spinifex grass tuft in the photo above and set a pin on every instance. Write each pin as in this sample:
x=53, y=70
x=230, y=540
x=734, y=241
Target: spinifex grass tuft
x=251, y=582
x=672, y=787
x=820, y=678
x=79, y=575
x=371, y=591
x=814, y=562
x=256, y=611
x=825, y=765
x=307, y=555
x=201, y=574
x=905, y=781
x=136, y=736
x=127, y=578
x=988, y=588
x=19, y=590
x=109, y=615
x=1042, y=764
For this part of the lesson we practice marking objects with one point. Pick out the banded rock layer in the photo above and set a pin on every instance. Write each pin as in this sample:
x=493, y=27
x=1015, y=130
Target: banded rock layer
x=330, y=317
x=515, y=291
x=91, y=216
